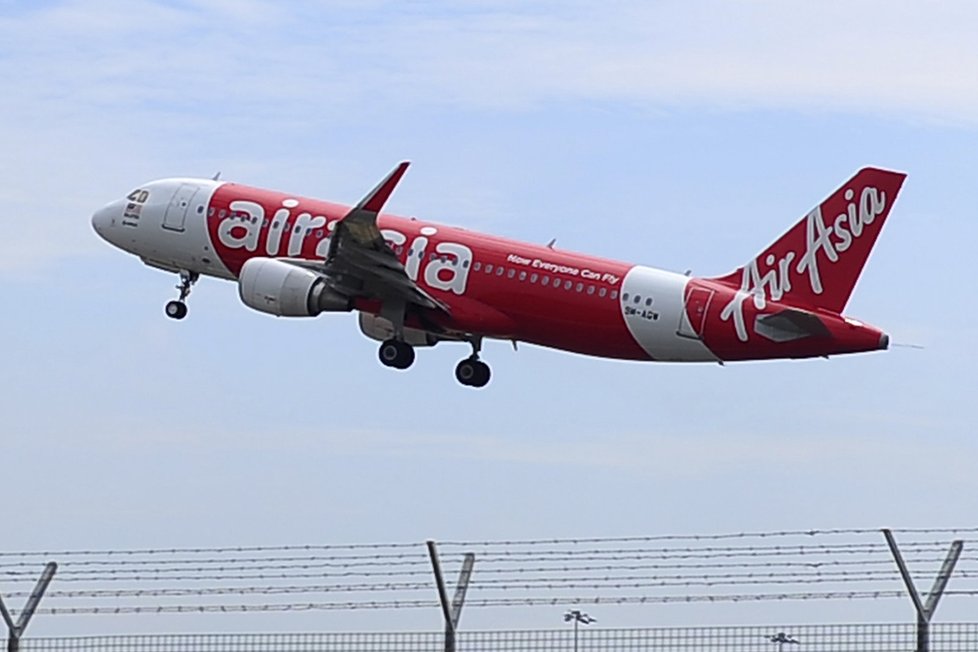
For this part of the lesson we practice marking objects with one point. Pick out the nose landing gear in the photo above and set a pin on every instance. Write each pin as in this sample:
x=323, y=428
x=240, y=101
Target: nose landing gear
x=178, y=309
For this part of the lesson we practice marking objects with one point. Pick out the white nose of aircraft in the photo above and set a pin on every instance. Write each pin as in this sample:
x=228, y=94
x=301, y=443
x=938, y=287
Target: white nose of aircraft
x=104, y=219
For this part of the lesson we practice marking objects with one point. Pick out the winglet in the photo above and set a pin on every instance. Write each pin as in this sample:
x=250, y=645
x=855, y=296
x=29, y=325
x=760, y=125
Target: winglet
x=376, y=198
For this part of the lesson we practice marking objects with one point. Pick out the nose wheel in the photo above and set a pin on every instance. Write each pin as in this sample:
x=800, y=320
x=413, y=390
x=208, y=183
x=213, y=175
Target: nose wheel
x=178, y=309
x=396, y=354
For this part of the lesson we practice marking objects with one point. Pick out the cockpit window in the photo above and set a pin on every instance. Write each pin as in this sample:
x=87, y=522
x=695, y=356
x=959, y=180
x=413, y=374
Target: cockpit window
x=139, y=196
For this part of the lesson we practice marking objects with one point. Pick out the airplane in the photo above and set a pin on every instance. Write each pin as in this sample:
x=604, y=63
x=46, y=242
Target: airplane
x=416, y=283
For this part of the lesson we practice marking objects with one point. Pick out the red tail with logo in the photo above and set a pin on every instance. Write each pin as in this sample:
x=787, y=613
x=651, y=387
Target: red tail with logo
x=817, y=262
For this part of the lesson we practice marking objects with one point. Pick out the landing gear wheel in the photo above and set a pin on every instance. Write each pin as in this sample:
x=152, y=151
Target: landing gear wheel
x=396, y=354
x=176, y=310
x=472, y=372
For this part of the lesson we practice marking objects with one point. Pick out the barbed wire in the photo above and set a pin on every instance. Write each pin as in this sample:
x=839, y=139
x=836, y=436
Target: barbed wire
x=505, y=584
x=29, y=574
x=498, y=543
x=523, y=557
x=616, y=570
x=488, y=602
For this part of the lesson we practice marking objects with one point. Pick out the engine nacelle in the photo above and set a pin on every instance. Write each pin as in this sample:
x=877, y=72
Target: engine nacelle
x=285, y=290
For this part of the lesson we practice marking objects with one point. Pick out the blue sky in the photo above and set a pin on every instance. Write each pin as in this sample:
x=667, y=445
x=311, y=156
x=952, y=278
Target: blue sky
x=681, y=135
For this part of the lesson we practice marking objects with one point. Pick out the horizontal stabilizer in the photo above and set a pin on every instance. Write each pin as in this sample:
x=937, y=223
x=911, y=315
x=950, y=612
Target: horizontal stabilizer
x=790, y=324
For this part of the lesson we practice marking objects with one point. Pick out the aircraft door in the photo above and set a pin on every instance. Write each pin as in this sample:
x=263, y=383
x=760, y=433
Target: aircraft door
x=692, y=320
x=176, y=213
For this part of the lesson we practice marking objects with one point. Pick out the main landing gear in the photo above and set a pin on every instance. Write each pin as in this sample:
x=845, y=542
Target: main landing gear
x=471, y=372
x=178, y=309
x=396, y=354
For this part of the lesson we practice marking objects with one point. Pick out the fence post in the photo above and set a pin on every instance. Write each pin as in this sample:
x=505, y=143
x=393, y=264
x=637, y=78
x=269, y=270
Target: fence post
x=925, y=610
x=16, y=630
x=451, y=611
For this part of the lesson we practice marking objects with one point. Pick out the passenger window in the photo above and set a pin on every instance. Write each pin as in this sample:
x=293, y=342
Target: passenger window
x=465, y=264
x=223, y=213
x=210, y=212
x=477, y=266
x=522, y=276
x=590, y=289
x=580, y=287
x=624, y=297
x=648, y=301
x=544, y=280
x=614, y=294
x=602, y=292
x=533, y=277
x=567, y=285
x=637, y=299
x=500, y=270
x=200, y=209
x=511, y=273
x=488, y=269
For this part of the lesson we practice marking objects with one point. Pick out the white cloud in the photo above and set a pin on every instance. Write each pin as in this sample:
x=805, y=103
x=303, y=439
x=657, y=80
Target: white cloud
x=103, y=91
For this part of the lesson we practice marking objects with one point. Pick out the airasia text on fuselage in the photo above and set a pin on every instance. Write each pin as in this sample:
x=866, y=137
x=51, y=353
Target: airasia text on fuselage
x=303, y=234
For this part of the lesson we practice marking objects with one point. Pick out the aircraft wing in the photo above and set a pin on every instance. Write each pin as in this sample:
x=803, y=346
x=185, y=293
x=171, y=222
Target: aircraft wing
x=361, y=263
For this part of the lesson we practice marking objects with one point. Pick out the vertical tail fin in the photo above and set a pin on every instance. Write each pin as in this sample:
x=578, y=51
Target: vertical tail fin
x=817, y=262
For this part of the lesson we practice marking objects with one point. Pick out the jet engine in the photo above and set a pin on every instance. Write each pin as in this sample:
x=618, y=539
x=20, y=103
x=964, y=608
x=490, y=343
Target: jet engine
x=286, y=290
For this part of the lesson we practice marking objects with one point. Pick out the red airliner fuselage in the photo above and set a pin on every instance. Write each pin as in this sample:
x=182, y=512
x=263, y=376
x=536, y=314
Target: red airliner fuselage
x=429, y=282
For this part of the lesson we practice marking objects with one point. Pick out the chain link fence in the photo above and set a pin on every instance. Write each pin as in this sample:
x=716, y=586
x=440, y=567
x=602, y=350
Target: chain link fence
x=803, y=638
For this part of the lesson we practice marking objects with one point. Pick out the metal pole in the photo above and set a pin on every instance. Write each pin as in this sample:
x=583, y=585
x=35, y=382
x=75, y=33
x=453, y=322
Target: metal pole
x=446, y=608
x=462, y=587
x=36, y=595
x=925, y=611
x=907, y=580
x=923, y=642
x=940, y=583
x=11, y=628
x=16, y=630
x=923, y=634
x=6, y=615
